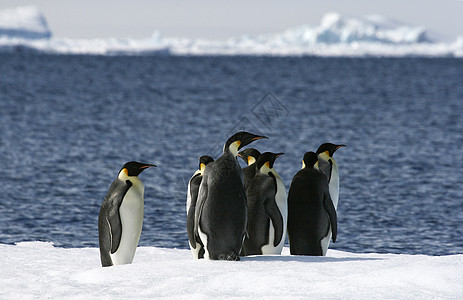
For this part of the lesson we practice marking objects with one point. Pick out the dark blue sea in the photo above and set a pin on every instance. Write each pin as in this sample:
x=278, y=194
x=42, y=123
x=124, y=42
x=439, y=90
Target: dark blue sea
x=68, y=124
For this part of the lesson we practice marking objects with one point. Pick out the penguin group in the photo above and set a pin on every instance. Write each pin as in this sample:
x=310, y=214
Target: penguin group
x=233, y=211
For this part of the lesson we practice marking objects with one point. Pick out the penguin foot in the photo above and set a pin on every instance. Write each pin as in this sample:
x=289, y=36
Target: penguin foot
x=231, y=256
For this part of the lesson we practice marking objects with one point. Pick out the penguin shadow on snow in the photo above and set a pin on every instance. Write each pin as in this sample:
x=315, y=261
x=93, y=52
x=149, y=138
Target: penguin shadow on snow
x=303, y=258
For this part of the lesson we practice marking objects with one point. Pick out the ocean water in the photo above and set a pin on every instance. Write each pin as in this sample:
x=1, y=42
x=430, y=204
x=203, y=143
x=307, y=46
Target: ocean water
x=68, y=124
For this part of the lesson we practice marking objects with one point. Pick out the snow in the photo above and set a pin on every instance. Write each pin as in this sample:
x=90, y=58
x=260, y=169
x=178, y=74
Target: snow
x=23, y=22
x=336, y=35
x=32, y=270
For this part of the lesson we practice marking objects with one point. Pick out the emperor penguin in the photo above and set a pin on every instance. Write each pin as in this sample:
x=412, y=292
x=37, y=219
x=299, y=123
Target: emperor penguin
x=250, y=156
x=329, y=167
x=267, y=209
x=220, y=215
x=192, y=197
x=311, y=213
x=120, y=219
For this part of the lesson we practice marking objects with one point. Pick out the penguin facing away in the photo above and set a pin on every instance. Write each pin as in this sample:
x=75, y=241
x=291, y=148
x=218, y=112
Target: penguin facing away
x=192, y=196
x=250, y=156
x=220, y=215
x=267, y=210
x=120, y=219
x=329, y=167
x=311, y=213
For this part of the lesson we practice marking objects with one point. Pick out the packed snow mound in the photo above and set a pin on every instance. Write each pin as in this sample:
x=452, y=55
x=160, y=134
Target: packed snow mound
x=23, y=22
x=37, y=270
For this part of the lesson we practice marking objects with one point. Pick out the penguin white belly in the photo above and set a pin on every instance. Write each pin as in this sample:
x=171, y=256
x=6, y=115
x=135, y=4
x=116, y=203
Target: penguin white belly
x=269, y=249
x=282, y=204
x=131, y=214
x=334, y=186
x=203, y=238
x=325, y=243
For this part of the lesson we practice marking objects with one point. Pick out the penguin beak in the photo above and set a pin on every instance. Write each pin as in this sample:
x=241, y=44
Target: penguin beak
x=272, y=161
x=146, y=166
x=249, y=138
x=339, y=146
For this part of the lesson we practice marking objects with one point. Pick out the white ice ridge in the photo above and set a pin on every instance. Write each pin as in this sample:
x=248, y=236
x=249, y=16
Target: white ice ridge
x=37, y=270
x=23, y=22
x=336, y=35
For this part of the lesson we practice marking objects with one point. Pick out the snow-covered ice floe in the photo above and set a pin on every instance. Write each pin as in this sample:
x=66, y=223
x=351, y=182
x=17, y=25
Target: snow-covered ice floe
x=40, y=270
x=336, y=35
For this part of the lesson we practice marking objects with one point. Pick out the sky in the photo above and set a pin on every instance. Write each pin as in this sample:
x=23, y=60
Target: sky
x=225, y=19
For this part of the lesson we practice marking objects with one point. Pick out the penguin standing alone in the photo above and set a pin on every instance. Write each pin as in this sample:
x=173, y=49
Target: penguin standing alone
x=267, y=209
x=311, y=213
x=120, y=219
x=192, y=197
x=220, y=215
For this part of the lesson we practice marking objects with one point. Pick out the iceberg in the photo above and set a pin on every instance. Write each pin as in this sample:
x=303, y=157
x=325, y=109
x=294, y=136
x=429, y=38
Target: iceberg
x=336, y=35
x=38, y=270
x=24, y=22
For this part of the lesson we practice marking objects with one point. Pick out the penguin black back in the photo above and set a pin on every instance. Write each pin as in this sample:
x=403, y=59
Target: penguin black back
x=193, y=190
x=250, y=156
x=262, y=207
x=220, y=216
x=310, y=210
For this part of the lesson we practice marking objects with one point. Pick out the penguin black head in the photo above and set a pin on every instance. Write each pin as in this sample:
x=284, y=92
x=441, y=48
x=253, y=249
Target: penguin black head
x=267, y=159
x=239, y=140
x=249, y=155
x=204, y=160
x=309, y=160
x=329, y=147
x=133, y=168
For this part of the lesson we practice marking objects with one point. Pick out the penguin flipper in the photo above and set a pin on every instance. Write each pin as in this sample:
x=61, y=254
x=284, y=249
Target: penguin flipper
x=113, y=218
x=325, y=167
x=329, y=207
x=202, y=196
x=274, y=214
x=193, y=190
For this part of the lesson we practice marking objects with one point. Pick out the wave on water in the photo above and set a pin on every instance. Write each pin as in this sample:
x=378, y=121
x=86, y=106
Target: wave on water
x=336, y=35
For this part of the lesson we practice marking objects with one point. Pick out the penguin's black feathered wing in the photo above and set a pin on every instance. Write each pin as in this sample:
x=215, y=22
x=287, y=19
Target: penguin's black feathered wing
x=272, y=210
x=109, y=219
x=325, y=167
x=201, y=200
x=331, y=211
x=195, y=182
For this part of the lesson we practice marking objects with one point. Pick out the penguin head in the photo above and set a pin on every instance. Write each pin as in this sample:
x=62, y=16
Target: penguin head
x=310, y=160
x=133, y=168
x=239, y=140
x=249, y=155
x=203, y=161
x=266, y=160
x=329, y=149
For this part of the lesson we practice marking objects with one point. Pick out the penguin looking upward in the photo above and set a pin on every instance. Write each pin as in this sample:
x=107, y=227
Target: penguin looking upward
x=267, y=209
x=329, y=167
x=120, y=219
x=250, y=156
x=192, y=197
x=311, y=213
x=220, y=215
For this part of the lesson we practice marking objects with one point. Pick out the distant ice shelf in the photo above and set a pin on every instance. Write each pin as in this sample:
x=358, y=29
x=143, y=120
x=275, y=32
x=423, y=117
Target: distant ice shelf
x=337, y=35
